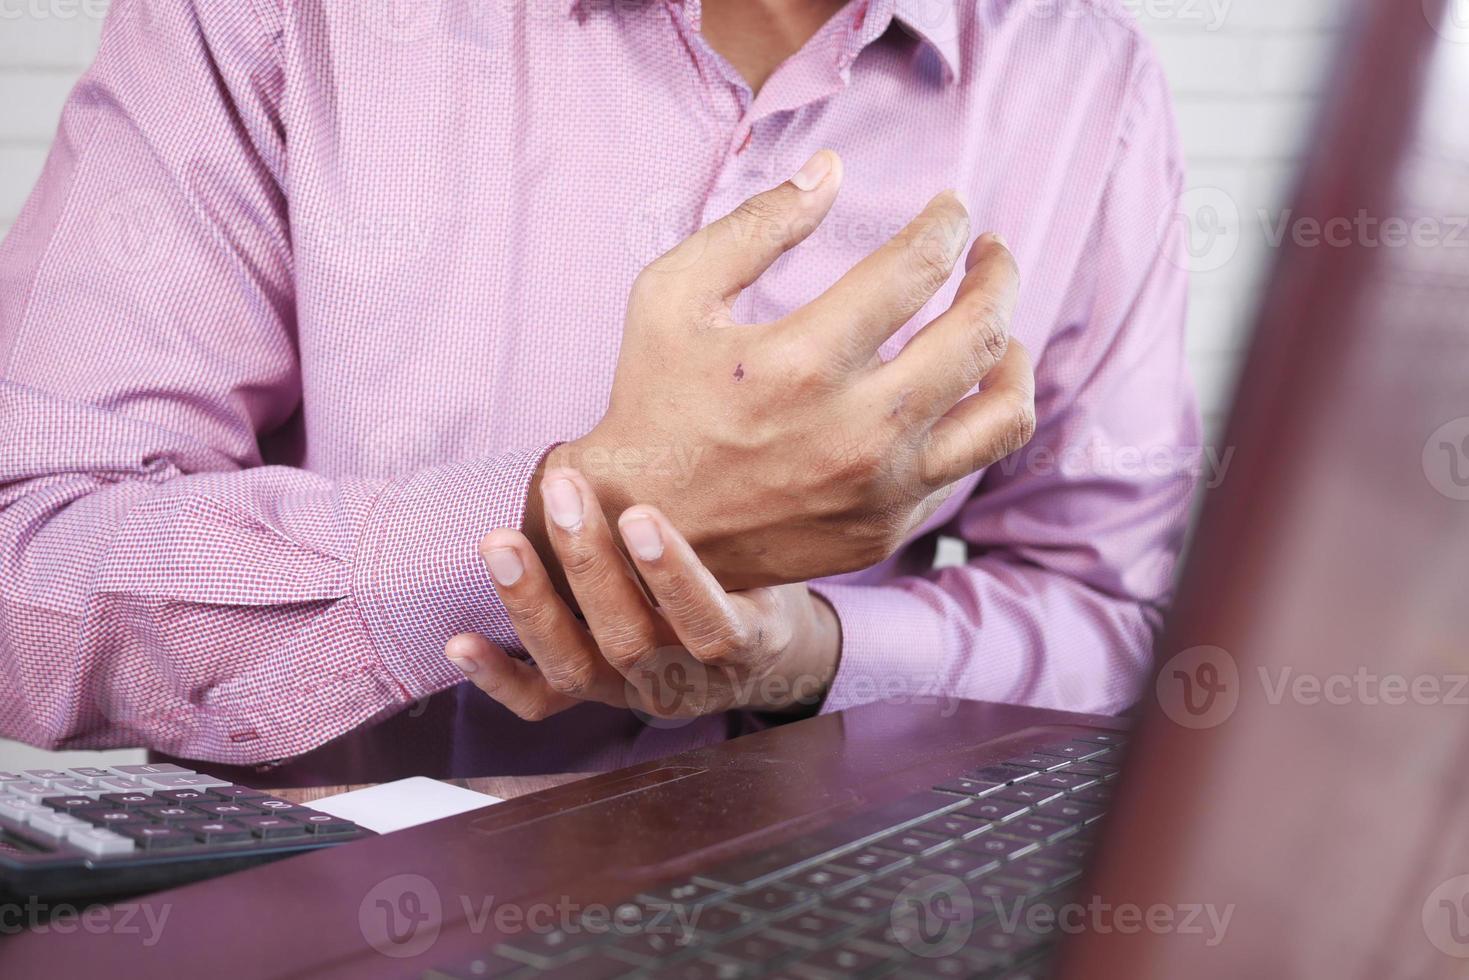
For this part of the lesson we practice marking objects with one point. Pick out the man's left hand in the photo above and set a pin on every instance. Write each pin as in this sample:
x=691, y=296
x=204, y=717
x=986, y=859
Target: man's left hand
x=692, y=649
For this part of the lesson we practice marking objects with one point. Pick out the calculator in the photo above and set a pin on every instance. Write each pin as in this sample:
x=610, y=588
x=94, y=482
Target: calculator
x=102, y=832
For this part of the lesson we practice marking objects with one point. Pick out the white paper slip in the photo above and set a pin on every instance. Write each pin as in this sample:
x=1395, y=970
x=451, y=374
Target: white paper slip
x=403, y=803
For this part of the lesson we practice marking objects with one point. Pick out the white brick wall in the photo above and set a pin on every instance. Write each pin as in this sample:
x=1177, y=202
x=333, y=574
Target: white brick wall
x=1247, y=75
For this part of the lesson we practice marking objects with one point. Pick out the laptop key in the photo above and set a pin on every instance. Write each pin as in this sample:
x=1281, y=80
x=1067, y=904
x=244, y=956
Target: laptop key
x=703, y=968
x=1001, y=773
x=553, y=946
x=1063, y=779
x=841, y=961
x=770, y=899
x=914, y=842
x=999, y=811
x=969, y=787
x=861, y=905
x=1103, y=738
x=1042, y=830
x=1030, y=794
x=1071, y=811
x=1076, y=750
x=761, y=949
x=813, y=928
x=1042, y=874
x=1000, y=846
x=484, y=965
x=597, y=966
x=873, y=860
x=824, y=879
x=682, y=893
x=960, y=863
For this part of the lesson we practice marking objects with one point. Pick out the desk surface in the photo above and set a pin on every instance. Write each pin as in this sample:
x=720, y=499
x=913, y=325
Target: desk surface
x=505, y=787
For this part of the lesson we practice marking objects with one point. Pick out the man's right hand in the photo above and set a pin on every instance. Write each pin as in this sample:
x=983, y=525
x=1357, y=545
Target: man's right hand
x=813, y=457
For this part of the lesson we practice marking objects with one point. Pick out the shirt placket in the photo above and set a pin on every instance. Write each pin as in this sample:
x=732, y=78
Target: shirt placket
x=752, y=125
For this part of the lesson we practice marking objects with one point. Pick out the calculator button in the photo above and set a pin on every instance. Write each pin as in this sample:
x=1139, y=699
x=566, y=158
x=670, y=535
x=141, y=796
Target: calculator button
x=326, y=825
x=183, y=780
x=170, y=814
x=274, y=805
x=273, y=828
x=227, y=810
x=31, y=792
x=153, y=838
x=103, y=817
x=11, y=777
x=216, y=831
x=118, y=784
x=97, y=841
x=128, y=801
x=231, y=792
x=20, y=810
x=151, y=769
x=89, y=772
x=77, y=787
x=186, y=797
x=55, y=824
x=45, y=775
x=67, y=804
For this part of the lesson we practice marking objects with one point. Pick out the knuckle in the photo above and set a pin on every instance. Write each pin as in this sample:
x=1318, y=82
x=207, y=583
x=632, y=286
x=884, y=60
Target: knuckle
x=758, y=214
x=991, y=330
x=626, y=648
x=929, y=263
x=537, y=709
x=723, y=643
x=573, y=680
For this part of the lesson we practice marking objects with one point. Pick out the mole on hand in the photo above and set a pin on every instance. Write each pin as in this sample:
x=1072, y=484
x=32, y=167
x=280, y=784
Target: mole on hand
x=739, y=372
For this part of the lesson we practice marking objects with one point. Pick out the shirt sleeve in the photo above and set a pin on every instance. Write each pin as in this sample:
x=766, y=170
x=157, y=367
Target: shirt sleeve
x=1073, y=541
x=159, y=585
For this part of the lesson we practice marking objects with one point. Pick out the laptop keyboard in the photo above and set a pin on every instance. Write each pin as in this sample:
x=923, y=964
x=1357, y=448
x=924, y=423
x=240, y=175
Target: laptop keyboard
x=963, y=880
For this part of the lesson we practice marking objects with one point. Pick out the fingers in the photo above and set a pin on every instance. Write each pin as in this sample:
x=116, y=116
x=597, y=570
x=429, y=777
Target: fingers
x=711, y=624
x=567, y=657
x=953, y=353
x=618, y=614
x=728, y=255
x=516, y=685
x=985, y=427
x=884, y=290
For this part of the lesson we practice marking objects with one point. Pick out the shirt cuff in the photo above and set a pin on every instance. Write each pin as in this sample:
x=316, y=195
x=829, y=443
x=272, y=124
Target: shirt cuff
x=892, y=646
x=418, y=577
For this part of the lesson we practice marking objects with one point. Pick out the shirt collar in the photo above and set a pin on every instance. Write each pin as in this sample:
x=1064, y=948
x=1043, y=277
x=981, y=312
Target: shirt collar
x=935, y=23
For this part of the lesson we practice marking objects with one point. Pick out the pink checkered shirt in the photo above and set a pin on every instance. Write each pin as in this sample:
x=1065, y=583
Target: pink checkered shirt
x=306, y=291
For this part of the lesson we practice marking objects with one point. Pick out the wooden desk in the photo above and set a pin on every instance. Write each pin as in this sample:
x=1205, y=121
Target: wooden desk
x=505, y=787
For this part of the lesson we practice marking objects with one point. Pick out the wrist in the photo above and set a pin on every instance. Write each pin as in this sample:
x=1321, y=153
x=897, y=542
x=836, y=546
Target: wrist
x=811, y=663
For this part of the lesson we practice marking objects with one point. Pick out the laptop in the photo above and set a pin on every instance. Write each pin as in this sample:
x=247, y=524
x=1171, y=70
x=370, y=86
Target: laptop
x=1291, y=800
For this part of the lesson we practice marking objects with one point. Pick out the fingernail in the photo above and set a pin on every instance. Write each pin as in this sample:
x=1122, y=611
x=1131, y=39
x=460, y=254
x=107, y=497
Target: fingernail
x=465, y=666
x=643, y=537
x=999, y=239
x=505, y=566
x=810, y=176
x=563, y=502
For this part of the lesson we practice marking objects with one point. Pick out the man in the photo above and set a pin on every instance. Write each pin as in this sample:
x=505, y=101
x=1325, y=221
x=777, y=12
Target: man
x=313, y=297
